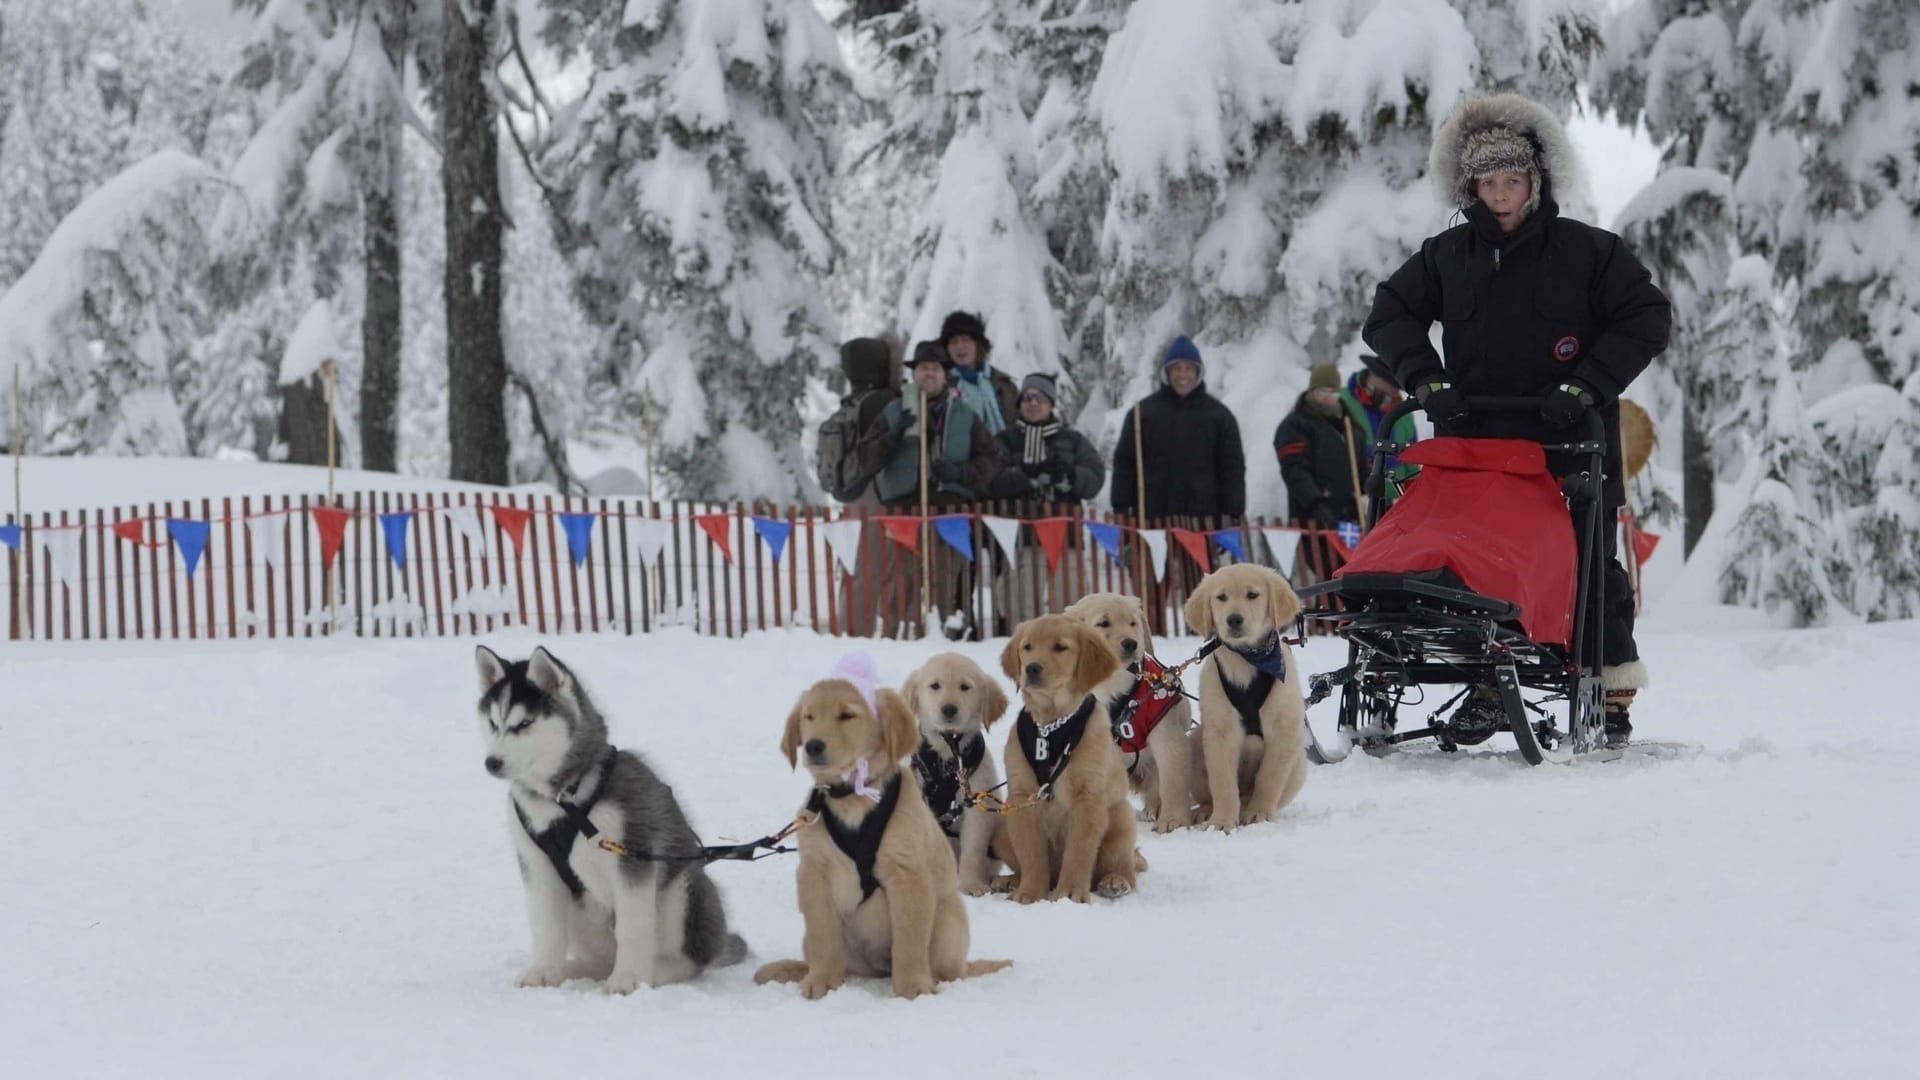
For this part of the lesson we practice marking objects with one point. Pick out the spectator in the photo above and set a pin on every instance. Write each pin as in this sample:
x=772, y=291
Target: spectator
x=1530, y=304
x=872, y=368
x=1194, y=463
x=1044, y=461
x=988, y=392
x=1369, y=396
x=873, y=381
x=1317, y=460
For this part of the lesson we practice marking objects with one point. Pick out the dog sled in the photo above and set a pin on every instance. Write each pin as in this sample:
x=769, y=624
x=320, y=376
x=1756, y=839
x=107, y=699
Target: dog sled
x=1486, y=572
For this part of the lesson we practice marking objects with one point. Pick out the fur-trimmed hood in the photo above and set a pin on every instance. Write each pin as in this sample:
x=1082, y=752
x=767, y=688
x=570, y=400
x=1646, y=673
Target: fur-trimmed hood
x=1559, y=167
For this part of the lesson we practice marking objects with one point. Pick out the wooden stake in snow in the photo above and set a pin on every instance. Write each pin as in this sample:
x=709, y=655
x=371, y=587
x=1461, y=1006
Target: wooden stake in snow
x=21, y=592
x=926, y=541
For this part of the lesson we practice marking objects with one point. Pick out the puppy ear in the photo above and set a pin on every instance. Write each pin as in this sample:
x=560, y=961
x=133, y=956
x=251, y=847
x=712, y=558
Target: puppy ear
x=1010, y=656
x=492, y=668
x=547, y=673
x=1096, y=659
x=993, y=702
x=899, y=734
x=1284, y=602
x=1199, y=611
x=790, y=738
x=910, y=691
x=1146, y=628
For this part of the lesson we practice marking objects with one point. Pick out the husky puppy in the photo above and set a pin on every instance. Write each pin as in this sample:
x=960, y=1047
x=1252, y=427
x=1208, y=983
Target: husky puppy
x=631, y=921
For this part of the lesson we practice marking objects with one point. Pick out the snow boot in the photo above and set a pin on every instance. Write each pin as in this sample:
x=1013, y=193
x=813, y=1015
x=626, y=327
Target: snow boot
x=1479, y=717
x=1621, y=683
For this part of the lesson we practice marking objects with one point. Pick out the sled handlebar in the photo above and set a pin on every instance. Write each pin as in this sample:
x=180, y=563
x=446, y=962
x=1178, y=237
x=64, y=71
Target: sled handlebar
x=1596, y=427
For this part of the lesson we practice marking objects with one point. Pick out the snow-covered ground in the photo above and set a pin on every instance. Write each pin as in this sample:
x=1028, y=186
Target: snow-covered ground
x=243, y=860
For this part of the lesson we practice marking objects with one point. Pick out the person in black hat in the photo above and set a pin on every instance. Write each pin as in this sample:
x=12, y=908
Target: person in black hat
x=1044, y=462
x=989, y=391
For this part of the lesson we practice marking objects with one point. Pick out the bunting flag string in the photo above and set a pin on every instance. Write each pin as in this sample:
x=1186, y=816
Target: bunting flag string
x=1004, y=530
x=512, y=521
x=1348, y=533
x=648, y=538
x=1108, y=537
x=715, y=526
x=579, y=530
x=1156, y=541
x=191, y=538
x=1230, y=541
x=1283, y=545
x=394, y=526
x=775, y=533
x=843, y=538
x=957, y=531
x=905, y=531
x=331, y=522
x=133, y=532
x=1052, y=534
x=269, y=532
x=466, y=520
x=63, y=548
x=10, y=536
x=1195, y=545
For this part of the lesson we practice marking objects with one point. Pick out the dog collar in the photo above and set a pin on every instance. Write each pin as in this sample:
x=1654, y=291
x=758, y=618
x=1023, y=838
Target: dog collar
x=1268, y=659
x=853, y=782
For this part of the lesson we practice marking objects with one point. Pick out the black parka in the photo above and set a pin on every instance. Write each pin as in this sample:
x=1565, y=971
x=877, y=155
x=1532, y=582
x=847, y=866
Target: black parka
x=1195, y=464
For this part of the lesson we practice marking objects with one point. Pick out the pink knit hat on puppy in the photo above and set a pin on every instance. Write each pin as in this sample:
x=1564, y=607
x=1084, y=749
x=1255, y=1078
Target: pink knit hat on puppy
x=858, y=669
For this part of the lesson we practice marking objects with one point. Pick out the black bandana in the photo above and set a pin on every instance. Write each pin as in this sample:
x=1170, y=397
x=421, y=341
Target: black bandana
x=1048, y=753
x=938, y=781
x=861, y=844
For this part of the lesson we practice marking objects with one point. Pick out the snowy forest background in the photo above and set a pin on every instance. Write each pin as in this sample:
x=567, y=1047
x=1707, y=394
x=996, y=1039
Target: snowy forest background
x=668, y=212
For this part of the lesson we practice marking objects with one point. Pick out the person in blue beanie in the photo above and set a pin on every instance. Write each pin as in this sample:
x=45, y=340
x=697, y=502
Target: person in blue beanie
x=1190, y=453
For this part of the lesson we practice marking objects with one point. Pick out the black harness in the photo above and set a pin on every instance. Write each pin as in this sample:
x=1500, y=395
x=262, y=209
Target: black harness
x=556, y=840
x=1048, y=752
x=861, y=844
x=1270, y=666
x=942, y=784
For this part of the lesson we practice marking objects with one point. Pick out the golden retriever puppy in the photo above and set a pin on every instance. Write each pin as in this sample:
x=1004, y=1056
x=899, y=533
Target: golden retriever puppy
x=954, y=703
x=877, y=885
x=1069, y=827
x=1154, y=735
x=1252, y=713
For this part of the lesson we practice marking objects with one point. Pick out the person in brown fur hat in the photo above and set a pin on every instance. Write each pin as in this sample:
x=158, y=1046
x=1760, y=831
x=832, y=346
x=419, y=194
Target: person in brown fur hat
x=1531, y=304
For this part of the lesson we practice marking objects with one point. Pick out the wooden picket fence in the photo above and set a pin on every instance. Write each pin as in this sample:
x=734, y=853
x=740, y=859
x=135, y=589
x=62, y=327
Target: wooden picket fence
x=115, y=574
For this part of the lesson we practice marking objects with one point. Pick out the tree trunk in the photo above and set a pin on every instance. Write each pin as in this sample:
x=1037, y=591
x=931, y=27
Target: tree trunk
x=1696, y=477
x=380, y=322
x=470, y=174
x=303, y=421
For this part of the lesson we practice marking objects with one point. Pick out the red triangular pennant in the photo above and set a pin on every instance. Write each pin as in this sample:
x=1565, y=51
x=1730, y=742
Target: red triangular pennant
x=1643, y=545
x=513, y=522
x=1052, y=534
x=332, y=525
x=716, y=528
x=134, y=532
x=905, y=531
x=1194, y=544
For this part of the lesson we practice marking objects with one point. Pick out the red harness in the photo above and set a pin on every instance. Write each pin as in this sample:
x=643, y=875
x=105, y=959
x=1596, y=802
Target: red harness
x=1135, y=716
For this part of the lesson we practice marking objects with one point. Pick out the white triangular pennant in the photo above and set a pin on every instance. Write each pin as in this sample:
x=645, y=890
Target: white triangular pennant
x=1005, y=530
x=844, y=537
x=63, y=545
x=466, y=521
x=1156, y=541
x=647, y=537
x=269, y=533
x=1283, y=544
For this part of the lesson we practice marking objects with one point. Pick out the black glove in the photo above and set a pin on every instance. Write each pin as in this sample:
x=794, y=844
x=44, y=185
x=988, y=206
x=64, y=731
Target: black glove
x=1034, y=469
x=948, y=472
x=1566, y=404
x=1443, y=403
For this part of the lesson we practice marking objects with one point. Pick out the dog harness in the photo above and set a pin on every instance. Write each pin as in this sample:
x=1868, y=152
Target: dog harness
x=942, y=784
x=1139, y=709
x=861, y=843
x=556, y=840
x=1270, y=666
x=1048, y=746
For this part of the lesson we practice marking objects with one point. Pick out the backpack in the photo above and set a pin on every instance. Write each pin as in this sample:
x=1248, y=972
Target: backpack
x=836, y=461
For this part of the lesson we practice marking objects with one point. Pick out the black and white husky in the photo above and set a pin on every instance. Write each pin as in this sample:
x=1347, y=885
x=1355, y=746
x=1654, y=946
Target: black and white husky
x=633, y=921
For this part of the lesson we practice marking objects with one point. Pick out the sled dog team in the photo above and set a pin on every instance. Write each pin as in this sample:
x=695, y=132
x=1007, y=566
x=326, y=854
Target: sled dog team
x=907, y=811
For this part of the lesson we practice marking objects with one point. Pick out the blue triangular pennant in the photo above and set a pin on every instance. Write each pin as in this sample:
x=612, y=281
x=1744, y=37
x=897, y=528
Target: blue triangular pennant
x=10, y=536
x=192, y=538
x=775, y=533
x=395, y=527
x=1108, y=537
x=957, y=532
x=1230, y=542
x=579, y=530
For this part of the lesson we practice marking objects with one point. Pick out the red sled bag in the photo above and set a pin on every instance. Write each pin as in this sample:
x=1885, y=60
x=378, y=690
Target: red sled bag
x=1489, y=513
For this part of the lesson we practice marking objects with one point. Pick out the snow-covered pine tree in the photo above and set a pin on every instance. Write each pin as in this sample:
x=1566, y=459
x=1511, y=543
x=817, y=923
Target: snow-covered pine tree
x=696, y=172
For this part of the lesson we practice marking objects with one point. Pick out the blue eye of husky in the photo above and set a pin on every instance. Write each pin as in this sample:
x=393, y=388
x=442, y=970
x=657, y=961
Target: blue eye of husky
x=521, y=726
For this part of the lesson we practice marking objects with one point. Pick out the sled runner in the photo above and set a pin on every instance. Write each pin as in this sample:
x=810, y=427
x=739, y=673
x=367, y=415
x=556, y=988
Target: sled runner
x=1486, y=572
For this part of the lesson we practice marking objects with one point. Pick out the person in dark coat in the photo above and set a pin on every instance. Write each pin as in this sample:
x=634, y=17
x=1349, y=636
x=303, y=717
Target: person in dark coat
x=1531, y=304
x=873, y=380
x=1316, y=460
x=1194, y=462
x=1043, y=458
x=988, y=390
